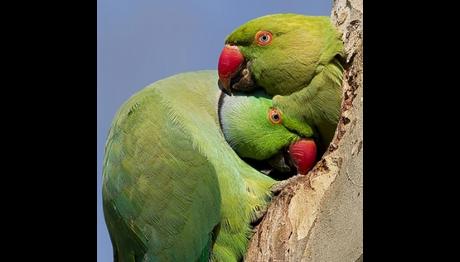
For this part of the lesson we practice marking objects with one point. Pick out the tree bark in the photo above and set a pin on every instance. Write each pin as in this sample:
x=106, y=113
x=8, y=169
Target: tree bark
x=318, y=217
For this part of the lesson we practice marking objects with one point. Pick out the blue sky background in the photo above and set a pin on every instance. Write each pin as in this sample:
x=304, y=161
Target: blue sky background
x=142, y=41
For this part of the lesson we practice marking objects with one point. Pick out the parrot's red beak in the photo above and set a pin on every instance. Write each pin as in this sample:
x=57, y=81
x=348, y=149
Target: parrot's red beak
x=303, y=154
x=230, y=62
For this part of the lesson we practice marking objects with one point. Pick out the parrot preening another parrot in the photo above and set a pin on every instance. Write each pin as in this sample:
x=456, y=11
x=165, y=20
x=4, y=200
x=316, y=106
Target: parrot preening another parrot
x=296, y=59
x=174, y=185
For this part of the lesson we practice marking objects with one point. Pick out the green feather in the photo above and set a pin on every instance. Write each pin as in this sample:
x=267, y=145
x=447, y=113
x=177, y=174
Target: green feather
x=173, y=188
x=246, y=127
x=301, y=67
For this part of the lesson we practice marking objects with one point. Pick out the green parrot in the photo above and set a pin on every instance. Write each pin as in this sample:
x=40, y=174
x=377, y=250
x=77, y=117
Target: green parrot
x=174, y=186
x=296, y=59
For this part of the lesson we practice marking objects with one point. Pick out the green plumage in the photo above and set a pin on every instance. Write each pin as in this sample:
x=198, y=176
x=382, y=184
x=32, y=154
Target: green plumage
x=301, y=67
x=249, y=131
x=173, y=188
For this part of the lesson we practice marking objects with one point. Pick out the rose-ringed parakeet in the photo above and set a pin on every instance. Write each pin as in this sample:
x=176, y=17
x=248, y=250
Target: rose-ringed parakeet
x=173, y=188
x=296, y=59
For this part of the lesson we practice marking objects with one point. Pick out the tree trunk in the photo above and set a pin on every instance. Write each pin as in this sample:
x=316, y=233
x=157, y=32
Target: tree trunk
x=318, y=217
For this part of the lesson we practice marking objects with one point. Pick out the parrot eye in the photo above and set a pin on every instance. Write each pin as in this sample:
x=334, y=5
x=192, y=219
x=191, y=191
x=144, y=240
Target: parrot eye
x=263, y=38
x=274, y=115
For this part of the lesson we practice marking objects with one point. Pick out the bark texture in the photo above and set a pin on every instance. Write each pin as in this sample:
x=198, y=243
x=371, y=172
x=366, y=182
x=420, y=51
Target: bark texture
x=318, y=217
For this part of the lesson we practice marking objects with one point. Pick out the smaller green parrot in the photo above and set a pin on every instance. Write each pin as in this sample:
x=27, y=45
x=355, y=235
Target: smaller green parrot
x=174, y=189
x=296, y=59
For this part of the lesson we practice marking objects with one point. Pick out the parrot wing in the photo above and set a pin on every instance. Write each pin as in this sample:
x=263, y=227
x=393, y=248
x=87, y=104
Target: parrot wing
x=161, y=194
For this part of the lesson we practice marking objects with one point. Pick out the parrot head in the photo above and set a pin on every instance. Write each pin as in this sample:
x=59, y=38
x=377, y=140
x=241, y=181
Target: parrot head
x=280, y=53
x=257, y=130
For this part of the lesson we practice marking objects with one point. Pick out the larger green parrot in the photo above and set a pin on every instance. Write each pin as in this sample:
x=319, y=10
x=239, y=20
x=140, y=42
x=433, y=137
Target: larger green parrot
x=296, y=59
x=174, y=189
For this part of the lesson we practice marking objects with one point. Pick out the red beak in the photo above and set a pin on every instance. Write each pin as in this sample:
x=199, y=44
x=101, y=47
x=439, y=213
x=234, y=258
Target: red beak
x=303, y=153
x=230, y=62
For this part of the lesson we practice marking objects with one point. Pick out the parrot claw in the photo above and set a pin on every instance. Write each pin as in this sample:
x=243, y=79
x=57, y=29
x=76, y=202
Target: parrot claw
x=258, y=215
x=280, y=185
x=254, y=230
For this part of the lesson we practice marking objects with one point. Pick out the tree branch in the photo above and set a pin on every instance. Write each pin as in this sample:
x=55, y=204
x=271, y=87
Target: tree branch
x=318, y=217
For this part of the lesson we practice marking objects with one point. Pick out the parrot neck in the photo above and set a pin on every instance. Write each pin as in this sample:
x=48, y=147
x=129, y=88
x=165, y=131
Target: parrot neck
x=233, y=110
x=317, y=104
x=228, y=112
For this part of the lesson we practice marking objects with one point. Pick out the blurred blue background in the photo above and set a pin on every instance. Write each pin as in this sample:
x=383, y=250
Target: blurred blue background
x=141, y=41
